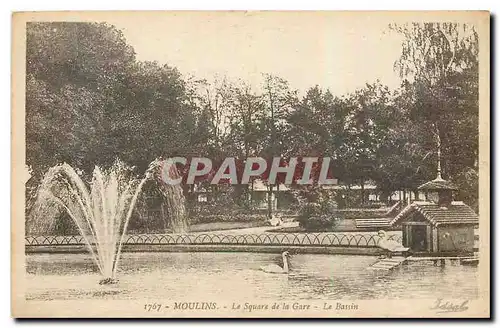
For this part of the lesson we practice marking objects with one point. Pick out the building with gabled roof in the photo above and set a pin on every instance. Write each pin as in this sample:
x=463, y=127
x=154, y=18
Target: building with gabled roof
x=438, y=225
x=457, y=212
x=430, y=228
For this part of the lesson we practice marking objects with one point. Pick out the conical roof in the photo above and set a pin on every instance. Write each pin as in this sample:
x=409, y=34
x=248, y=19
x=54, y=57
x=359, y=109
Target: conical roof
x=438, y=184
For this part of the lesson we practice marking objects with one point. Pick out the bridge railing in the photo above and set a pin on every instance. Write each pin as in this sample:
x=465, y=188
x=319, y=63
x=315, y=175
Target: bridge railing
x=285, y=239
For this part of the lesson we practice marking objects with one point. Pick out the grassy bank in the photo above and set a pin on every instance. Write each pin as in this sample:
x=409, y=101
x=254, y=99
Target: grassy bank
x=345, y=225
x=214, y=226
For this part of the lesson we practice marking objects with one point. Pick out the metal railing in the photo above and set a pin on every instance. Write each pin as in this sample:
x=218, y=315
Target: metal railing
x=285, y=239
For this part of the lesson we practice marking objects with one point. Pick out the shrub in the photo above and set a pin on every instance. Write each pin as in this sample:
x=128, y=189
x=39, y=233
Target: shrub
x=317, y=217
x=231, y=217
x=319, y=223
x=309, y=210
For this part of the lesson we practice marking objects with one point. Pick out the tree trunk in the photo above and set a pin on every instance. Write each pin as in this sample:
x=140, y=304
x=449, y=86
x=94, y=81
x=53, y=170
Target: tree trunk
x=176, y=205
x=362, y=192
x=277, y=193
x=252, y=195
x=270, y=202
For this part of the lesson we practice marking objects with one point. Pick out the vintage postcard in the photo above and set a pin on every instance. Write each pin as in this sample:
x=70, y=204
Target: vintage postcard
x=251, y=164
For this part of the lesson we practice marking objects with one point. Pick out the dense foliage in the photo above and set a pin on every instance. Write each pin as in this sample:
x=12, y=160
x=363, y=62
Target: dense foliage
x=89, y=101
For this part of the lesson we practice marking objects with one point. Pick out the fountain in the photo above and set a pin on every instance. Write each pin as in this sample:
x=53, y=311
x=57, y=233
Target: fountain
x=101, y=211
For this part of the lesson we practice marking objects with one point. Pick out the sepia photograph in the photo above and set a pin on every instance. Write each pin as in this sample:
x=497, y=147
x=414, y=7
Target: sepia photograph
x=251, y=164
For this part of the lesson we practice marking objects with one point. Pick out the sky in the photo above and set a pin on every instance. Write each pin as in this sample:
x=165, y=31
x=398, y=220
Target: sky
x=341, y=52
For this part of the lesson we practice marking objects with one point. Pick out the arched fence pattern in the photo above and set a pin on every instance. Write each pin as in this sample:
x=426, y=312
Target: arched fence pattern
x=285, y=239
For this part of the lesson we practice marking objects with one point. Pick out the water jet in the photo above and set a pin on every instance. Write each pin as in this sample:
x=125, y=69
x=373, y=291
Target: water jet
x=100, y=209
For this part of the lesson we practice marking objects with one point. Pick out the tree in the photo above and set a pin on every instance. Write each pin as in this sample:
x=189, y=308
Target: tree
x=88, y=101
x=73, y=75
x=401, y=156
x=246, y=135
x=439, y=67
x=279, y=100
x=432, y=51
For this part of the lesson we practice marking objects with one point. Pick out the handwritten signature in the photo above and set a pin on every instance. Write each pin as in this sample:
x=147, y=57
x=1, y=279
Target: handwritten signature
x=447, y=306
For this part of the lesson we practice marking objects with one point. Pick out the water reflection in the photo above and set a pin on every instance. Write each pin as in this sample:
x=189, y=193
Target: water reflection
x=202, y=275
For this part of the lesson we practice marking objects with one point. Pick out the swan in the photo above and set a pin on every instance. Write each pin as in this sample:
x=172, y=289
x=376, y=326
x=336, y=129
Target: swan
x=273, y=268
x=389, y=245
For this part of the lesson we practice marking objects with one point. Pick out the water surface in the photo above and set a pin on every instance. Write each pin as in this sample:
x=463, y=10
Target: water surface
x=203, y=275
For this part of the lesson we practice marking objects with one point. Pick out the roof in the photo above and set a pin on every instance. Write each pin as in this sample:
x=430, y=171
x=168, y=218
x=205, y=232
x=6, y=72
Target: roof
x=352, y=187
x=438, y=184
x=456, y=213
x=259, y=185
